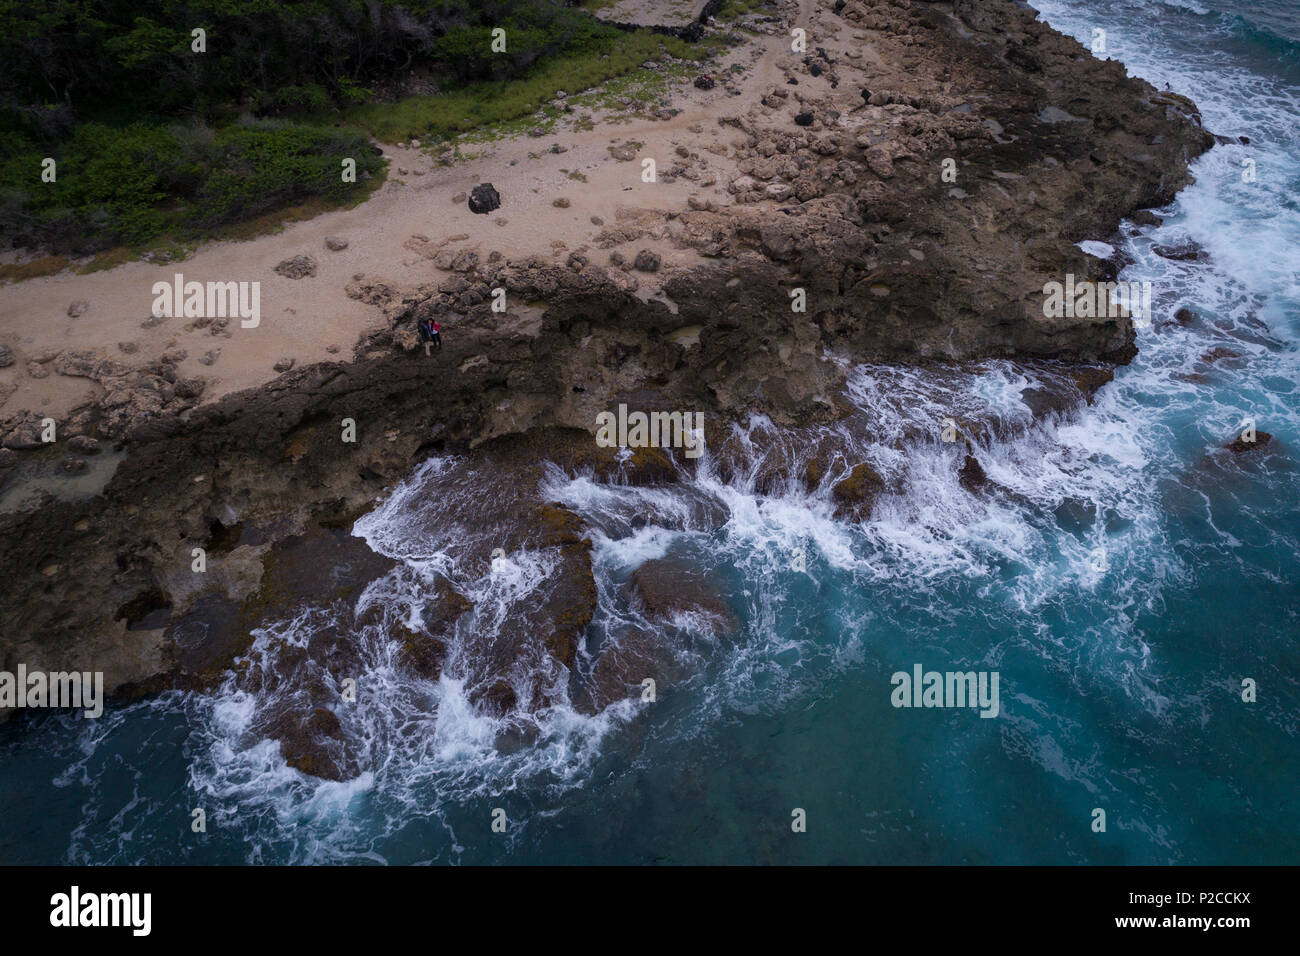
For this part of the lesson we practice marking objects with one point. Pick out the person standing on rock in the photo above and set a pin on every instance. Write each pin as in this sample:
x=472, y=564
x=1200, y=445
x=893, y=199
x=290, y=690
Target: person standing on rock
x=430, y=334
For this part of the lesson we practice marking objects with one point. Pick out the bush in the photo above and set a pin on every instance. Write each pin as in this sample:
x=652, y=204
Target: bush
x=132, y=184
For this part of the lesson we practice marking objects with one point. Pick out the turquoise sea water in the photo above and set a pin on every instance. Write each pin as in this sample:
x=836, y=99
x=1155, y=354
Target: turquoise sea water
x=1120, y=688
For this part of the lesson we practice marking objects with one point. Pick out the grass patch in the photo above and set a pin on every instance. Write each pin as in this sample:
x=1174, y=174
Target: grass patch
x=477, y=106
x=738, y=8
x=35, y=269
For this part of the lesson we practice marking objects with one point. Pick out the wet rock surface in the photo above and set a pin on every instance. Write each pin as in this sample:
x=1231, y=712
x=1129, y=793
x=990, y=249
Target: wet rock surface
x=855, y=494
x=671, y=592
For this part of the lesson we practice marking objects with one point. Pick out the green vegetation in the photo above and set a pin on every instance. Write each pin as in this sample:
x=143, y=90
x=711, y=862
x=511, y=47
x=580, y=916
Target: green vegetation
x=125, y=185
x=736, y=8
x=476, y=105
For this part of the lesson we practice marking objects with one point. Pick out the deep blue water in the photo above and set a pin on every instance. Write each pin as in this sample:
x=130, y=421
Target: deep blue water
x=1120, y=688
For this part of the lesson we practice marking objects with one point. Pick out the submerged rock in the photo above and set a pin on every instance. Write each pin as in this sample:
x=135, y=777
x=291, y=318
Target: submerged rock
x=1239, y=446
x=1182, y=252
x=855, y=494
x=971, y=475
x=314, y=744
x=625, y=662
x=669, y=591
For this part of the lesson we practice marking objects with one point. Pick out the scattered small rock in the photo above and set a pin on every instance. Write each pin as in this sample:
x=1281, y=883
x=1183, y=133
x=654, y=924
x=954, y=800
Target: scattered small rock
x=190, y=388
x=335, y=243
x=459, y=198
x=297, y=267
x=209, y=357
x=6, y=356
x=78, y=308
x=705, y=82
x=804, y=119
x=83, y=445
x=561, y=203
x=284, y=365
x=73, y=465
x=128, y=348
x=647, y=261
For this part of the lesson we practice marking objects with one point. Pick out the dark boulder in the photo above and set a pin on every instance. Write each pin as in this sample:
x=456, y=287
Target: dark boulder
x=484, y=198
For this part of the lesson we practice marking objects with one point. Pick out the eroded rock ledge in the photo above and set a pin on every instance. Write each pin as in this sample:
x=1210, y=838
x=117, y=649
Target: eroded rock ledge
x=1051, y=147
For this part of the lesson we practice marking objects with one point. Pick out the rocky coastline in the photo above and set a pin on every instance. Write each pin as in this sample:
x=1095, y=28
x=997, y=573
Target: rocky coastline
x=839, y=199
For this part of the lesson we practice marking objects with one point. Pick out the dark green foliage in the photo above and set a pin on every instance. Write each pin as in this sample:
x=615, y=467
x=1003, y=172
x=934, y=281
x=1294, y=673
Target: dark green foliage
x=279, y=55
x=127, y=185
